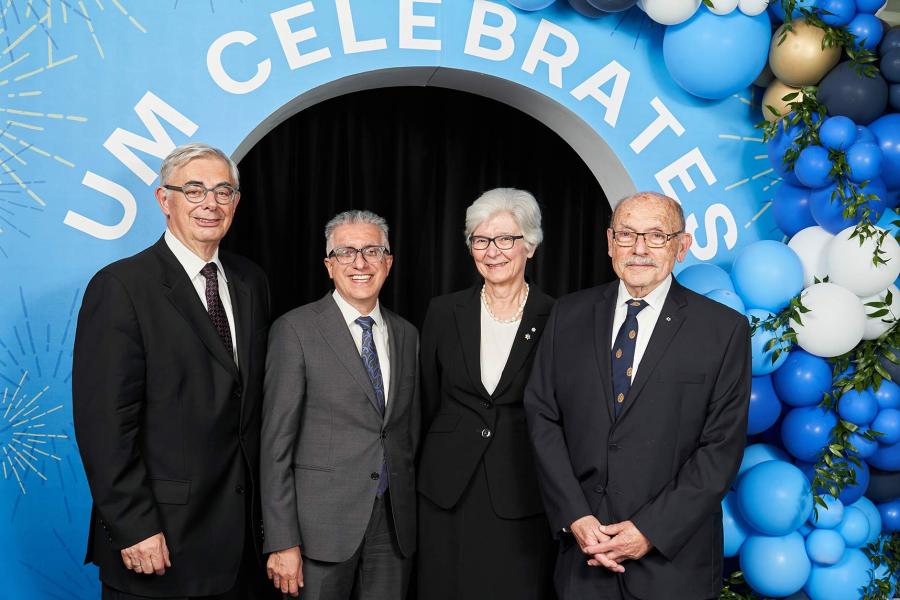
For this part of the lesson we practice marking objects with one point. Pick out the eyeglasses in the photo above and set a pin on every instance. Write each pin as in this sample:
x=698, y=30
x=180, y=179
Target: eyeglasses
x=346, y=255
x=195, y=193
x=653, y=239
x=502, y=242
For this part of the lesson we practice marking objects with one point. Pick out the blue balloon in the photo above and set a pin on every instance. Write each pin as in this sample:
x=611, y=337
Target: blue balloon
x=714, y=56
x=774, y=497
x=775, y=566
x=868, y=508
x=531, y=5
x=777, y=9
x=586, y=9
x=839, y=581
x=854, y=527
x=890, y=516
x=865, y=161
x=803, y=379
x=778, y=146
x=887, y=394
x=790, y=208
x=805, y=529
x=858, y=407
x=760, y=453
x=852, y=492
x=887, y=422
x=869, y=6
x=728, y=298
x=886, y=130
x=837, y=133
x=734, y=529
x=767, y=274
x=864, y=135
x=761, y=360
x=705, y=277
x=828, y=211
x=836, y=13
x=613, y=5
x=867, y=29
x=887, y=220
x=806, y=430
x=813, y=167
x=864, y=447
x=886, y=458
x=765, y=407
x=825, y=546
x=830, y=516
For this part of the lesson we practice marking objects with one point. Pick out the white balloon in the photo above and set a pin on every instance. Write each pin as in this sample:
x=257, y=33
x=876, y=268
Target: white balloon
x=809, y=244
x=850, y=265
x=670, y=12
x=836, y=321
x=723, y=7
x=751, y=8
x=875, y=327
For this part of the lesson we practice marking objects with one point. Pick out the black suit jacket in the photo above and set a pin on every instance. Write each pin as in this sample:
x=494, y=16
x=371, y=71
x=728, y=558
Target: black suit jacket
x=458, y=411
x=668, y=459
x=167, y=426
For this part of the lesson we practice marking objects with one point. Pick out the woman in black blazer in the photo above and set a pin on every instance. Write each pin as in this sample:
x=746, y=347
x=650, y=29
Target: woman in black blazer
x=482, y=529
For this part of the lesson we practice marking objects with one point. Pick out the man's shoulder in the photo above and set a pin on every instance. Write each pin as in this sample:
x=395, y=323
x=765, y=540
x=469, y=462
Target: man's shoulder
x=242, y=266
x=586, y=298
x=398, y=321
x=133, y=269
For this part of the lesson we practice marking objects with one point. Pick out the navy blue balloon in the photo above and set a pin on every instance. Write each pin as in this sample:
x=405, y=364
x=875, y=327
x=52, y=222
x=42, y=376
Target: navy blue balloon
x=886, y=458
x=765, y=407
x=883, y=485
x=612, y=5
x=865, y=161
x=838, y=133
x=803, y=379
x=890, y=40
x=846, y=92
x=867, y=29
x=836, y=13
x=586, y=9
x=790, y=208
x=890, y=66
x=859, y=408
x=705, y=277
x=813, y=167
x=806, y=430
x=894, y=96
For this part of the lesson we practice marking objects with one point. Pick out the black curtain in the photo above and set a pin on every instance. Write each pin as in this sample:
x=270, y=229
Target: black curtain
x=418, y=157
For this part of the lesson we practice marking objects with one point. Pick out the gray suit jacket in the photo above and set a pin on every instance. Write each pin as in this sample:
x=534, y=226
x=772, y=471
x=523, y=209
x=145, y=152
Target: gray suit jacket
x=323, y=438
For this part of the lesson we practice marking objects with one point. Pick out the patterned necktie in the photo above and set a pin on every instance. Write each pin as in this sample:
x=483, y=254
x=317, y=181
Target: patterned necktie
x=214, y=306
x=369, y=356
x=623, y=353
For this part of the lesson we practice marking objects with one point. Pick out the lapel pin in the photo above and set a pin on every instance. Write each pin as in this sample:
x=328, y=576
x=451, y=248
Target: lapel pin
x=527, y=336
x=668, y=318
x=533, y=329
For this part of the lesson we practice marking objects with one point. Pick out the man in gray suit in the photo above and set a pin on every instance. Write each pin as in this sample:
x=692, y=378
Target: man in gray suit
x=340, y=430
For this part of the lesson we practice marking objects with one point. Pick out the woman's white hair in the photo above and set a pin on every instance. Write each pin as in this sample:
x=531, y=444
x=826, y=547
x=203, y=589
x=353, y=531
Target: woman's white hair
x=519, y=203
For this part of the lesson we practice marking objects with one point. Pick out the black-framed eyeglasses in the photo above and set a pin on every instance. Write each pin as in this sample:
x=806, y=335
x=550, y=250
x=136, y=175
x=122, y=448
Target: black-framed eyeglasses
x=347, y=254
x=653, y=239
x=195, y=193
x=502, y=242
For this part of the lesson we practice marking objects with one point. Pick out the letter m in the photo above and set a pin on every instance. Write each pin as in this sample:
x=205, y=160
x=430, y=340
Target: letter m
x=150, y=109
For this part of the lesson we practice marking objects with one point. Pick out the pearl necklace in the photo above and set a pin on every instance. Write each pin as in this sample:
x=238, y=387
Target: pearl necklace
x=515, y=317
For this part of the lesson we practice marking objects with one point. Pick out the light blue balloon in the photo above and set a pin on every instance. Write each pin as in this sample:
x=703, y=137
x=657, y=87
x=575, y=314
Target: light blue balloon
x=775, y=566
x=868, y=508
x=805, y=529
x=774, y=497
x=828, y=517
x=714, y=56
x=728, y=298
x=734, y=529
x=760, y=359
x=767, y=274
x=854, y=527
x=705, y=277
x=825, y=546
x=806, y=430
x=840, y=581
x=755, y=454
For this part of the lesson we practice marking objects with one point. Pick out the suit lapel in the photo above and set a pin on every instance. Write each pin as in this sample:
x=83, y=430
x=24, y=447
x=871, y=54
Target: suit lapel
x=184, y=298
x=467, y=313
x=604, y=311
x=242, y=307
x=395, y=345
x=668, y=324
x=335, y=331
x=537, y=309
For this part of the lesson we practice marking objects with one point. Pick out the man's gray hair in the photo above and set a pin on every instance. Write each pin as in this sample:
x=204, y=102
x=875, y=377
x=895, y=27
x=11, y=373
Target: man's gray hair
x=675, y=210
x=354, y=217
x=184, y=154
x=522, y=205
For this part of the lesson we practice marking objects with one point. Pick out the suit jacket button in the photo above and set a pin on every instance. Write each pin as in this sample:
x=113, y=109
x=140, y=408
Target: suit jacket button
x=486, y=404
x=374, y=475
x=384, y=435
x=613, y=447
x=485, y=433
x=239, y=489
x=599, y=489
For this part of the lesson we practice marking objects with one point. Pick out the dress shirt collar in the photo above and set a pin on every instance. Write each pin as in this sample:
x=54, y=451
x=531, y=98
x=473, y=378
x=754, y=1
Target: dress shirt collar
x=350, y=313
x=192, y=263
x=654, y=299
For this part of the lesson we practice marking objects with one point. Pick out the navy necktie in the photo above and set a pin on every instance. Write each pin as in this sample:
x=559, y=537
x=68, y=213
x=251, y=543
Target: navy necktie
x=214, y=306
x=369, y=356
x=622, y=354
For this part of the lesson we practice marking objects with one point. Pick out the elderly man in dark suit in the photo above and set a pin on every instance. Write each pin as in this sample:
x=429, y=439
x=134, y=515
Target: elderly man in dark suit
x=340, y=430
x=637, y=409
x=167, y=389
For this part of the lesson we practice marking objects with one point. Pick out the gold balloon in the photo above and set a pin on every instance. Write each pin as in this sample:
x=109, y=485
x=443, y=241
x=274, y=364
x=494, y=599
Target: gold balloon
x=800, y=60
x=773, y=97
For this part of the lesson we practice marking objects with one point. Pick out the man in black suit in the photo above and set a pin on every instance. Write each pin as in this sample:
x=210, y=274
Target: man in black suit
x=166, y=390
x=637, y=409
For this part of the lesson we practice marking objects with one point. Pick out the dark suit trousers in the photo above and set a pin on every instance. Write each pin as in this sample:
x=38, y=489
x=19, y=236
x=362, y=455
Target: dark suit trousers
x=376, y=571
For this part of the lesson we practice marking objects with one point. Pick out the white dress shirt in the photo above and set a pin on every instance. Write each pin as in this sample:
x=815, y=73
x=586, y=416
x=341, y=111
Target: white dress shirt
x=193, y=264
x=646, y=318
x=496, y=344
x=379, y=335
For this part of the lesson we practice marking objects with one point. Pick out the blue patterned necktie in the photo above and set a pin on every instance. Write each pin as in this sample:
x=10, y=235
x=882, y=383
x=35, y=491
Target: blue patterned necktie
x=622, y=354
x=369, y=356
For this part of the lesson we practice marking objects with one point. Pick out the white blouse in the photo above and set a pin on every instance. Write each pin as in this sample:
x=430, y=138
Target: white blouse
x=496, y=343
